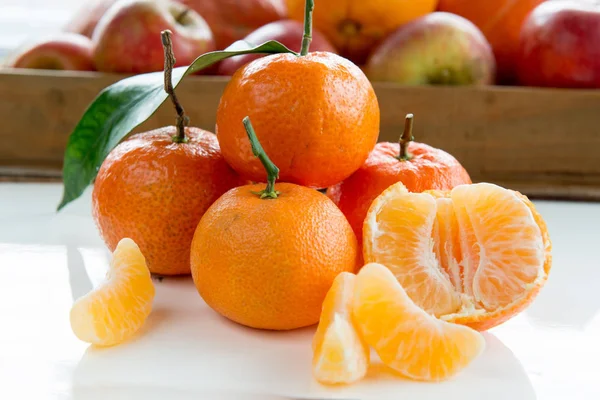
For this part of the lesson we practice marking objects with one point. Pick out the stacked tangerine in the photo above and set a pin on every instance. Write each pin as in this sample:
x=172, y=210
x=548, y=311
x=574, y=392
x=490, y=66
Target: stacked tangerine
x=445, y=257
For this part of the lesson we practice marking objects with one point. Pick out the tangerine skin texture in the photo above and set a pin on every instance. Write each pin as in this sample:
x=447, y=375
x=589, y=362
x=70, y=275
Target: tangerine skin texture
x=316, y=116
x=268, y=263
x=155, y=191
x=430, y=168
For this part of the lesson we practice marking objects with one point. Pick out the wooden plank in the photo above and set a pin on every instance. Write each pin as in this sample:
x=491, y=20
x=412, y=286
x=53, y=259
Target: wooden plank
x=544, y=142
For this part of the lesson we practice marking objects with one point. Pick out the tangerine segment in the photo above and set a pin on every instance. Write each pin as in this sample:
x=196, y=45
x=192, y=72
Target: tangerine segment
x=340, y=355
x=408, y=339
x=398, y=233
x=477, y=254
x=117, y=309
x=504, y=240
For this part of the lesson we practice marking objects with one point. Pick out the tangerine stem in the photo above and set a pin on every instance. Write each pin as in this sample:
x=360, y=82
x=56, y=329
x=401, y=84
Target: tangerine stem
x=258, y=151
x=309, y=6
x=182, y=119
x=406, y=138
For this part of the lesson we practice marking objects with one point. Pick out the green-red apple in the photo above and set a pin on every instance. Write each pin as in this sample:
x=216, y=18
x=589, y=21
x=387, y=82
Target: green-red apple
x=127, y=38
x=64, y=51
x=232, y=20
x=439, y=48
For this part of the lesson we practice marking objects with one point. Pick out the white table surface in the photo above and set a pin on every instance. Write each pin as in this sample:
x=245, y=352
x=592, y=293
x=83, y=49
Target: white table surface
x=186, y=351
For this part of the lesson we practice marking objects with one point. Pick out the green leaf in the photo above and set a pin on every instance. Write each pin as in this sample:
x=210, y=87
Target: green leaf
x=123, y=106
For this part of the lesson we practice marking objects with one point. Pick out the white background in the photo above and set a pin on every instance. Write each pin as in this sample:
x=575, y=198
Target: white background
x=21, y=20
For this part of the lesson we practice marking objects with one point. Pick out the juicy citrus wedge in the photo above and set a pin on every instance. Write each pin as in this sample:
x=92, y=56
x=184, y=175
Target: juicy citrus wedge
x=117, y=309
x=412, y=342
x=475, y=255
x=339, y=354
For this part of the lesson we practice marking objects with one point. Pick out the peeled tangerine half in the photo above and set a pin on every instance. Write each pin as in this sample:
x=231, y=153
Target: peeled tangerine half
x=475, y=255
x=340, y=355
x=407, y=339
x=117, y=309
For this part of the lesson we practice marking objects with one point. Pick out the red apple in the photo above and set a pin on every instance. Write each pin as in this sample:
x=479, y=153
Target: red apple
x=288, y=32
x=65, y=51
x=439, y=48
x=127, y=38
x=86, y=18
x=232, y=20
x=559, y=46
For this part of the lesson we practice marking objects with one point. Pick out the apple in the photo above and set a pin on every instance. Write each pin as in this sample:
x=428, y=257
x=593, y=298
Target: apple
x=439, y=48
x=127, y=38
x=86, y=18
x=64, y=51
x=559, y=46
x=287, y=32
x=232, y=20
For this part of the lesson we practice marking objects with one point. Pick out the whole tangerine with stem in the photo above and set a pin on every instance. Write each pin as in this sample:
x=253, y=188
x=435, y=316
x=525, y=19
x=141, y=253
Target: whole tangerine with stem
x=316, y=115
x=418, y=166
x=155, y=186
x=266, y=257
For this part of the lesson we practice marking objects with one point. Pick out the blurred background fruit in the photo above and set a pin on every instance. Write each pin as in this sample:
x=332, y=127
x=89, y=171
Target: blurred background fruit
x=287, y=31
x=439, y=48
x=560, y=45
x=62, y=51
x=86, y=18
x=127, y=38
x=232, y=20
x=500, y=21
x=356, y=26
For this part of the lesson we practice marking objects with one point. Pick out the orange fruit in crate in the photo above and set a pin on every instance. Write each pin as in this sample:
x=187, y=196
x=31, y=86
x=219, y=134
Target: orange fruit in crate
x=475, y=255
x=355, y=27
x=154, y=190
x=316, y=115
x=266, y=258
x=406, y=338
x=340, y=355
x=418, y=166
x=501, y=22
x=117, y=309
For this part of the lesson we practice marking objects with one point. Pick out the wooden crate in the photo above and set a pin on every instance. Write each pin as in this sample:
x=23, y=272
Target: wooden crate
x=544, y=142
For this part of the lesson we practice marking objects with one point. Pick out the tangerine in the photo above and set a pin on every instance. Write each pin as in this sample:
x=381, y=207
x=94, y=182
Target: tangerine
x=154, y=188
x=117, y=309
x=316, y=115
x=418, y=166
x=340, y=354
x=258, y=261
x=475, y=255
x=407, y=339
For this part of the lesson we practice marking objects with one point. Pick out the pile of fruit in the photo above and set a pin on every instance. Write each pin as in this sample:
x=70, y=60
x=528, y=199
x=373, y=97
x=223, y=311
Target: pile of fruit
x=458, y=42
x=397, y=251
